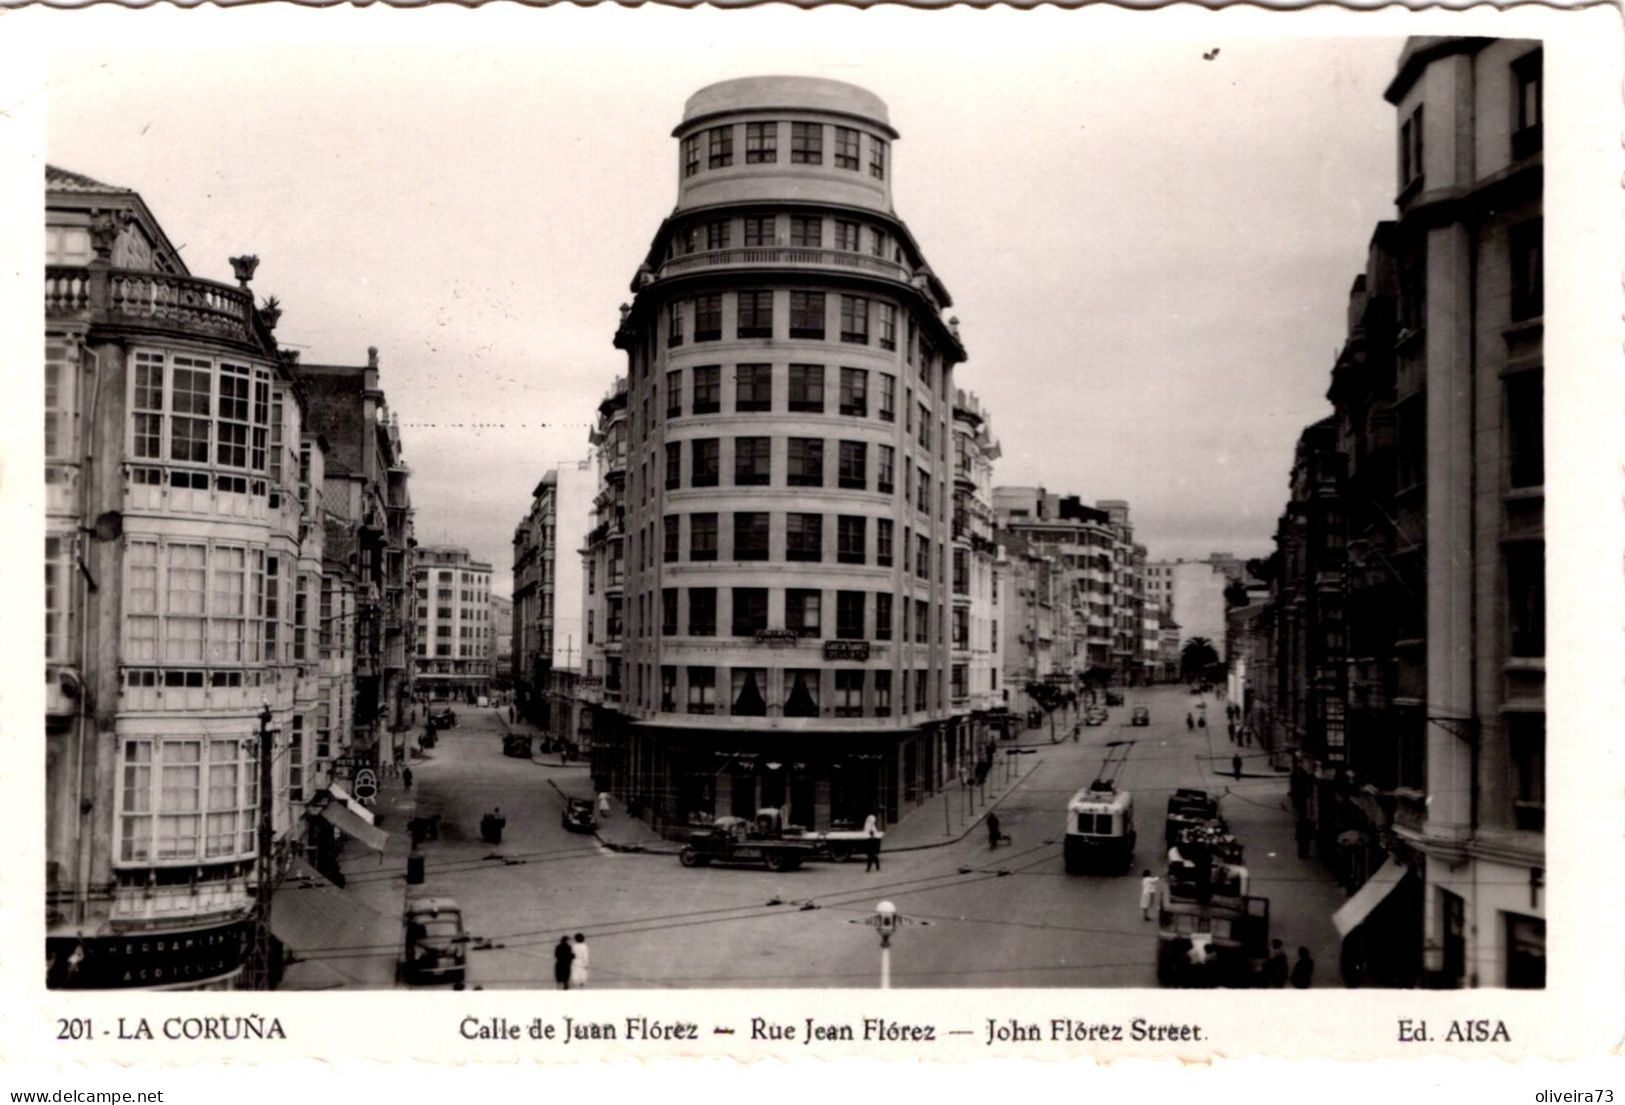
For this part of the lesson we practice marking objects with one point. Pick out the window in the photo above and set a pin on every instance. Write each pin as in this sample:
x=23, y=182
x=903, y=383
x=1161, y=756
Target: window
x=849, y=615
x=702, y=611
x=755, y=315
x=1525, y=403
x=668, y=611
x=708, y=317
x=883, y=540
x=669, y=538
x=702, y=537
x=959, y=682
x=847, y=235
x=922, y=683
x=801, y=698
x=923, y=489
x=806, y=231
x=848, y=692
x=190, y=393
x=877, y=241
x=1528, y=293
x=717, y=233
x=1526, y=734
x=750, y=535
x=702, y=690
x=59, y=403
x=807, y=143
x=752, y=467
x=761, y=143
x=922, y=621
x=187, y=800
x=854, y=392
x=888, y=397
x=804, y=537
x=683, y=241
x=882, y=694
x=847, y=148
x=674, y=464
x=707, y=389
x=706, y=464
x=668, y=687
x=674, y=323
x=147, y=406
x=750, y=611
x=855, y=319
x=854, y=465
x=961, y=571
x=805, y=456
x=888, y=326
x=58, y=572
x=719, y=142
x=753, y=387
x=759, y=230
x=1526, y=597
x=807, y=387
x=67, y=245
x=1526, y=952
x=883, y=615
x=674, y=393
x=925, y=434
x=877, y=157
x=1410, y=149
x=851, y=538
x=886, y=470
x=691, y=155
x=922, y=556
x=807, y=315
x=1526, y=130
x=802, y=612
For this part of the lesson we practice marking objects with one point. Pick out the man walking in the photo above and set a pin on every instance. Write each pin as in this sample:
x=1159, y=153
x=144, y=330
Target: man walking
x=1235, y=765
x=1148, y=893
x=563, y=956
x=1303, y=971
x=578, y=964
x=993, y=835
x=871, y=844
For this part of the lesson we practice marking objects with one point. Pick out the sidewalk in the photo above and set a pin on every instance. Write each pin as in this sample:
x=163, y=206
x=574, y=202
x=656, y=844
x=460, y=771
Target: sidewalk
x=520, y=725
x=954, y=813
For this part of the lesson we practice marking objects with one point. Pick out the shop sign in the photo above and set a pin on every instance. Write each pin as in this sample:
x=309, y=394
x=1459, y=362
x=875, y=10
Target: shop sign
x=777, y=636
x=147, y=958
x=846, y=650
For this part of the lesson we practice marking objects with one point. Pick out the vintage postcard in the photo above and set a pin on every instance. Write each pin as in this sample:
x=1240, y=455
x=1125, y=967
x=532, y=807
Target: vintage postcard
x=595, y=534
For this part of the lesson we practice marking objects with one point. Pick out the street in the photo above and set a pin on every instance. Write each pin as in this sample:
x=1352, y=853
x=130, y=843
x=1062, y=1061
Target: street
x=1010, y=917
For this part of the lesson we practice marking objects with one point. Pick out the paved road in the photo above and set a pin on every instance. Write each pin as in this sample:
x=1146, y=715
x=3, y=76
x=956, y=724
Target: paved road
x=1010, y=917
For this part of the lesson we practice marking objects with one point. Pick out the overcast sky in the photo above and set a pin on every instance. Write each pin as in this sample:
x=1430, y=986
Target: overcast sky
x=1149, y=250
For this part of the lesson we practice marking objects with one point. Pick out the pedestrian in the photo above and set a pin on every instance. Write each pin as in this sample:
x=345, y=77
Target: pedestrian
x=1303, y=971
x=1190, y=720
x=563, y=956
x=603, y=805
x=1201, y=721
x=1275, y=971
x=406, y=777
x=1235, y=765
x=498, y=823
x=578, y=964
x=871, y=843
x=1148, y=892
x=510, y=715
x=1232, y=728
x=993, y=835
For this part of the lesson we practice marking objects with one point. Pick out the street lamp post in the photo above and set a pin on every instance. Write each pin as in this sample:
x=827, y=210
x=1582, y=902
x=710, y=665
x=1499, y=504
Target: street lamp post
x=259, y=965
x=885, y=924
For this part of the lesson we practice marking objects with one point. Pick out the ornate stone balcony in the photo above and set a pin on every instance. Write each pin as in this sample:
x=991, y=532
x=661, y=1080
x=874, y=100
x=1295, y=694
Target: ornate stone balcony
x=151, y=299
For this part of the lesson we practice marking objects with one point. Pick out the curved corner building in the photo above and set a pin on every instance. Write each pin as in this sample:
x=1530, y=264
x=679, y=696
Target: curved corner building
x=780, y=488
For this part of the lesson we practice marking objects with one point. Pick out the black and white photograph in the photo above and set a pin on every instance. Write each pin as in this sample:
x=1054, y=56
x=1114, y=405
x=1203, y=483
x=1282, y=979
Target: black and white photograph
x=640, y=500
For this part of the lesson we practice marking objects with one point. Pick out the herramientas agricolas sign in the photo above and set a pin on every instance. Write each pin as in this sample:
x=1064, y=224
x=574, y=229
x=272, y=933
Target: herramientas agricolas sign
x=175, y=958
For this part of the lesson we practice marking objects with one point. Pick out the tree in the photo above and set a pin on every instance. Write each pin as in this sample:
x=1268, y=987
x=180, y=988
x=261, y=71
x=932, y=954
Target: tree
x=1197, y=657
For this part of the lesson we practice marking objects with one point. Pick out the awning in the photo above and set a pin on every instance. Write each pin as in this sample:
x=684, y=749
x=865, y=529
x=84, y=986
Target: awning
x=341, y=817
x=309, y=913
x=351, y=804
x=1368, y=897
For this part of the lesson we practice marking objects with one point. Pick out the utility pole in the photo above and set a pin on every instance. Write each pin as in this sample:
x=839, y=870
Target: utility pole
x=259, y=962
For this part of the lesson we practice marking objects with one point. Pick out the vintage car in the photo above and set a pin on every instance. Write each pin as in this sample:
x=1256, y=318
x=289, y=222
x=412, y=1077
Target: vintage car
x=1141, y=716
x=578, y=816
x=516, y=744
x=731, y=840
x=1095, y=715
x=435, y=947
x=444, y=718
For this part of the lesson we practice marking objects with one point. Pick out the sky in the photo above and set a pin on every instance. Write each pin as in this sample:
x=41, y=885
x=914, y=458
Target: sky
x=1149, y=248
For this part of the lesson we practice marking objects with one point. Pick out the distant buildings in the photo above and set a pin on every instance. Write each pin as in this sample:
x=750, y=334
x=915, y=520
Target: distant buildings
x=550, y=596
x=1406, y=627
x=1192, y=592
x=456, y=642
x=217, y=567
x=502, y=633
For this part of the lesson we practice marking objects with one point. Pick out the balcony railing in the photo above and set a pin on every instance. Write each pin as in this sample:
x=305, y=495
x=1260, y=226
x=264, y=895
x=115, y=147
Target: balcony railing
x=156, y=298
x=784, y=255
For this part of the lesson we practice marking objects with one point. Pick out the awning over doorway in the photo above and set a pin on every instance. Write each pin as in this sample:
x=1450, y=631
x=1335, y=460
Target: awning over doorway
x=342, y=817
x=337, y=791
x=308, y=913
x=1368, y=897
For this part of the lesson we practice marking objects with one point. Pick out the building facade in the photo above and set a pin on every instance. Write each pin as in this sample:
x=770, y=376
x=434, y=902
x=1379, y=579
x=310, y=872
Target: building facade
x=549, y=590
x=1417, y=525
x=778, y=632
x=975, y=680
x=182, y=564
x=456, y=642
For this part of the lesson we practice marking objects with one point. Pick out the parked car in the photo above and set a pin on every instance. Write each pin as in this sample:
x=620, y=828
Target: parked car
x=1141, y=716
x=578, y=816
x=435, y=945
x=444, y=718
x=1095, y=715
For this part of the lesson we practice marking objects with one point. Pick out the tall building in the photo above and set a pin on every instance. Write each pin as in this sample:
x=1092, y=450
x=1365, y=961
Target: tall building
x=502, y=642
x=1192, y=591
x=1035, y=594
x=777, y=478
x=1417, y=525
x=367, y=593
x=456, y=645
x=977, y=661
x=183, y=559
x=549, y=598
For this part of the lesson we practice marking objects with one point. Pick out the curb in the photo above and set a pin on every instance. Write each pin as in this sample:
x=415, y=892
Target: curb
x=970, y=828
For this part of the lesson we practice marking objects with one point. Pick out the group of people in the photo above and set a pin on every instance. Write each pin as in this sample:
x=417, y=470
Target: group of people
x=570, y=963
x=1277, y=971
